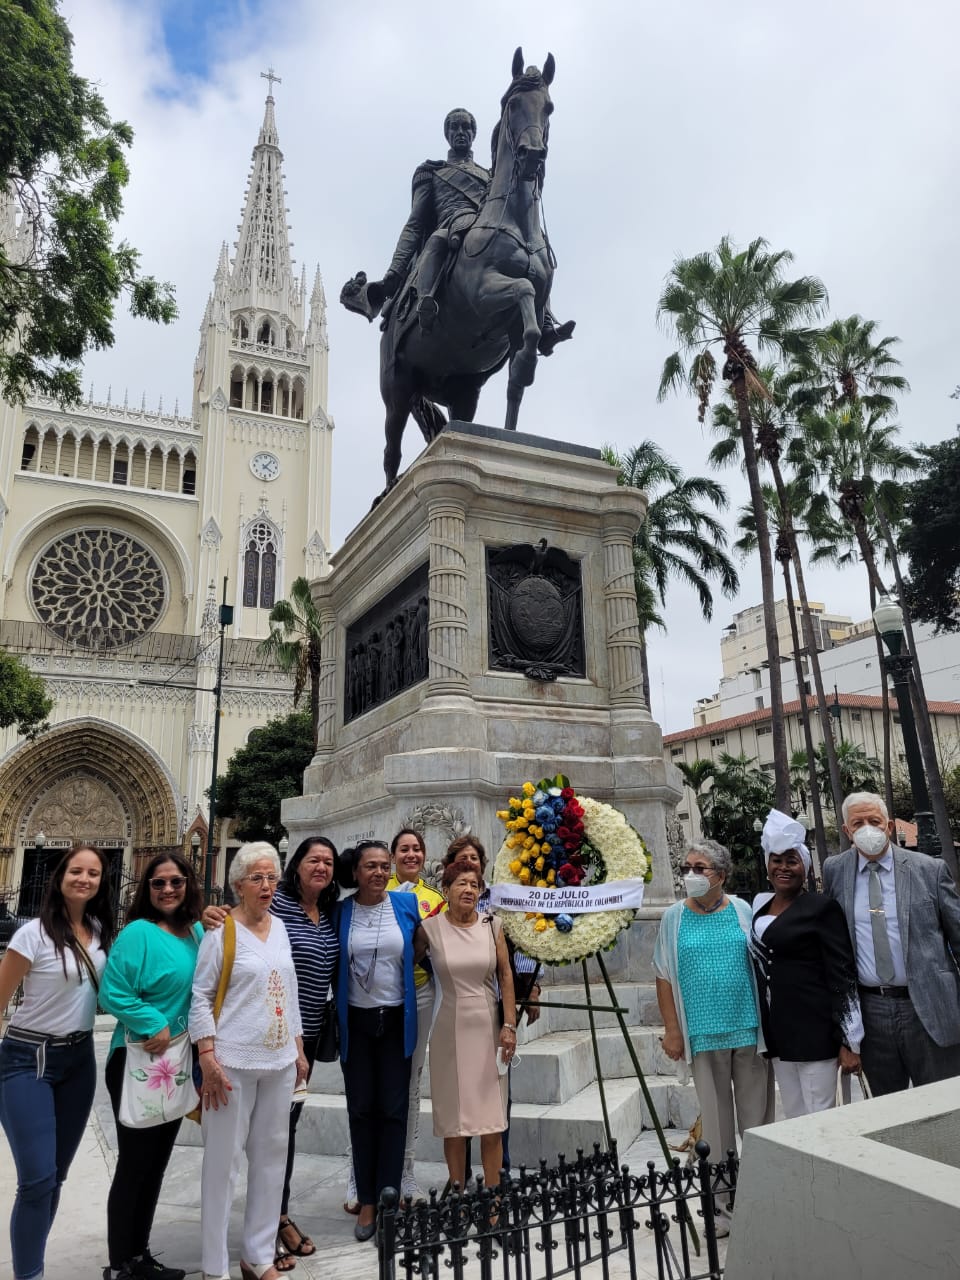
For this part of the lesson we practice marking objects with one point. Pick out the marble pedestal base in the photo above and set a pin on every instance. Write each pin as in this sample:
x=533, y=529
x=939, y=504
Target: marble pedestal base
x=446, y=752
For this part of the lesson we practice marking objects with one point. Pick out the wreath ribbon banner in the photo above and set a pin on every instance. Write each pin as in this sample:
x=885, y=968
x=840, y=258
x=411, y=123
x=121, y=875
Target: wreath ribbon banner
x=613, y=895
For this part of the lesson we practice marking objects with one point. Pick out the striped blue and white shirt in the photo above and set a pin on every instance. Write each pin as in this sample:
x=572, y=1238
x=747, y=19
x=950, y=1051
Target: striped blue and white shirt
x=315, y=949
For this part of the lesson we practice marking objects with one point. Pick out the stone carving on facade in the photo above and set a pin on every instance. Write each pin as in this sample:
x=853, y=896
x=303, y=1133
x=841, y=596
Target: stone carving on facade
x=536, y=611
x=80, y=807
x=450, y=823
x=211, y=535
x=200, y=736
x=387, y=648
x=218, y=400
x=98, y=588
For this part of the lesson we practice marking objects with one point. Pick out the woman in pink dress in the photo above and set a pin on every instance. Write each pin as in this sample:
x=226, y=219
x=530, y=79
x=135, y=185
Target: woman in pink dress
x=469, y=1094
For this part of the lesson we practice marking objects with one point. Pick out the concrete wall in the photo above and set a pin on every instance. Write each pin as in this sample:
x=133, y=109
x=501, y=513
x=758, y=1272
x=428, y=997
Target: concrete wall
x=868, y=1190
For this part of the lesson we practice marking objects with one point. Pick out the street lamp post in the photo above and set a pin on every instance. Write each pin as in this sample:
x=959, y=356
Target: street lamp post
x=225, y=619
x=283, y=846
x=888, y=619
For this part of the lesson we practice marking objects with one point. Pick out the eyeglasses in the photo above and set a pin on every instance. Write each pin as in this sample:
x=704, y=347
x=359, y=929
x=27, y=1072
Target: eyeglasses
x=175, y=882
x=701, y=870
x=260, y=879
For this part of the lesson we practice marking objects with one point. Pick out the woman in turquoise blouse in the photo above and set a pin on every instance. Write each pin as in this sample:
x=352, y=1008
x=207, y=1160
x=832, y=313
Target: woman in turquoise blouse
x=707, y=995
x=147, y=986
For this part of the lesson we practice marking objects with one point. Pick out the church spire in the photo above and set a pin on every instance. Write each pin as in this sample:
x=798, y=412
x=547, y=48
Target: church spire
x=262, y=276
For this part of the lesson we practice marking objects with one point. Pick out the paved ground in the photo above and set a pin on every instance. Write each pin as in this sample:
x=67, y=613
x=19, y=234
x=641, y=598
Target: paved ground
x=77, y=1249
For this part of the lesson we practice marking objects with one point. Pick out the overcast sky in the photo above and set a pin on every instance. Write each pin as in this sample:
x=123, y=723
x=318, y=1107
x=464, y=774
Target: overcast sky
x=828, y=128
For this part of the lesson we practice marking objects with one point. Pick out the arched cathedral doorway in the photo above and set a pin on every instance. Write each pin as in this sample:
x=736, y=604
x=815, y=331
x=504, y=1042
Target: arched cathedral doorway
x=85, y=781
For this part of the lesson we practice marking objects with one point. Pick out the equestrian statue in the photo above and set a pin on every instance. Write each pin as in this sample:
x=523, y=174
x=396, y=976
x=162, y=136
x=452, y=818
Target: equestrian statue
x=468, y=288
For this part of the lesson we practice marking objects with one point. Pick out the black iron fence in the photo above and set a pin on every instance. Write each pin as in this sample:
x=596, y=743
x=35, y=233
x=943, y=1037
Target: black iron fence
x=565, y=1221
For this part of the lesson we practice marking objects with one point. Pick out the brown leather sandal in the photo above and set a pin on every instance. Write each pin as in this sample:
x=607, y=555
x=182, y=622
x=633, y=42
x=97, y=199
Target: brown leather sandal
x=304, y=1246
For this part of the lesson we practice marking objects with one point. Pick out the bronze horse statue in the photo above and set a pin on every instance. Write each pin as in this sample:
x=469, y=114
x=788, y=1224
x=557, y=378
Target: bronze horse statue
x=495, y=289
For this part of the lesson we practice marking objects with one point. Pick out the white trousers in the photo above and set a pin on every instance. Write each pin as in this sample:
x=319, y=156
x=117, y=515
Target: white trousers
x=806, y=1087
x=426, y=1009
x=255, y=1121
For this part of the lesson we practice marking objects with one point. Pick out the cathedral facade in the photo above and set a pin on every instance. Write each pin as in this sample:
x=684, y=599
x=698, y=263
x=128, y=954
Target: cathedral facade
x=118, y=527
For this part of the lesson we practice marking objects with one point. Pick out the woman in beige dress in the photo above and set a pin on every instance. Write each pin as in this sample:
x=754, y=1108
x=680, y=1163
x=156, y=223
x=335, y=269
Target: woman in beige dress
x=469, y=1095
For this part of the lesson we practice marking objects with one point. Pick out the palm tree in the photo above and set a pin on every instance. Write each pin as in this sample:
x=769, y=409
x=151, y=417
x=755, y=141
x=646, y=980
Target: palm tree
x=858, y=771
x=853, y=452
x=775, y=423
x=696, y=776
x=784, y=553
x=848, y=367
x=847, y=364
x=727, y=299
x=294, y=644
x=679, y=539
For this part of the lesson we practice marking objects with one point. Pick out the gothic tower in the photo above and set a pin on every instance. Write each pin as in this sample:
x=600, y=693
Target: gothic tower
x=260, y=396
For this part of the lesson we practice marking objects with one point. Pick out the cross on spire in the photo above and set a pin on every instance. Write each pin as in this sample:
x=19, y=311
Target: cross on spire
x=270, y=76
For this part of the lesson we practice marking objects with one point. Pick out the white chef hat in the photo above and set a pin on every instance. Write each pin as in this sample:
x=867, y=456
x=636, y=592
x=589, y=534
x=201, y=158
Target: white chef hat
x=780, y=833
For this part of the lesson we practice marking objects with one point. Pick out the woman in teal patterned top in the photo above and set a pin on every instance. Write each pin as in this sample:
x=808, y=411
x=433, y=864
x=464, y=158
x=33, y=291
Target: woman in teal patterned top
x=707, y=995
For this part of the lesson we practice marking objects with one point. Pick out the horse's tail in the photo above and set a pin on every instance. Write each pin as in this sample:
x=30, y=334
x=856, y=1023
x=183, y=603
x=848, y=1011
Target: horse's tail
x=428, y=417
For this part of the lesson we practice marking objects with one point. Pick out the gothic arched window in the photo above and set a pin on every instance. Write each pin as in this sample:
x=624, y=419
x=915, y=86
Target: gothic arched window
x=260, y=567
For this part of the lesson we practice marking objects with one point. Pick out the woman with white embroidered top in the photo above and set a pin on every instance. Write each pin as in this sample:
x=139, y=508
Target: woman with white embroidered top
x=707, y=995
x=251, y=1058
x=807, y=973
x=377, y=1005
x=147, y=986
x=48, y=1072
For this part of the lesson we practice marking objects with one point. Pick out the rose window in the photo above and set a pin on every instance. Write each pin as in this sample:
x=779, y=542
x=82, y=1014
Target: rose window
x=98, y=588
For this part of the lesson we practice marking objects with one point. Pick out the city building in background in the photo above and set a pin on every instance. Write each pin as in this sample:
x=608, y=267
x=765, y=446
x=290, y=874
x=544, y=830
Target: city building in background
x=736, y=719
x=118, y=525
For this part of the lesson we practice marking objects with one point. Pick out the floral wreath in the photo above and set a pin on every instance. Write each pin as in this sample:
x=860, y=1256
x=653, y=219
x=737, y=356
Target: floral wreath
x=556, y=838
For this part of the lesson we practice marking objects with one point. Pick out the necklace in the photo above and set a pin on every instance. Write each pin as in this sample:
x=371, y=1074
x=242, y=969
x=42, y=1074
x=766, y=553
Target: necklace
x=371, y=918
x=708, y=911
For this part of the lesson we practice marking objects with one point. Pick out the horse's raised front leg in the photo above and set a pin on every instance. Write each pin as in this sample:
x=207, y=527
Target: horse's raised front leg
x=510, y=294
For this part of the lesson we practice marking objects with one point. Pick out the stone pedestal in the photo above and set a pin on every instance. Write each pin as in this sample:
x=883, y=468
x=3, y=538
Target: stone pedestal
x=447, y=750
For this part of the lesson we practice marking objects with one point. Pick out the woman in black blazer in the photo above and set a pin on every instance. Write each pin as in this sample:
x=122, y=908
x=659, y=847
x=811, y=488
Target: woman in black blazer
x=807, y=977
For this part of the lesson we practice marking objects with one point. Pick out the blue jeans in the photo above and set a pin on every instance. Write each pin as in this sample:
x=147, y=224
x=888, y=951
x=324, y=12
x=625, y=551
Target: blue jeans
x=43, y=1114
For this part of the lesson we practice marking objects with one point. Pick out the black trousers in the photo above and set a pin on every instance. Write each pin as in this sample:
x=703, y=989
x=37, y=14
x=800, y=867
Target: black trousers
x=376, y=1078
x=310, y=1044
x=142, y=1158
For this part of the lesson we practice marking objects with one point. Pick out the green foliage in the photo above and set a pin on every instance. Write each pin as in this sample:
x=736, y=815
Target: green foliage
x=741, y=792
x=680, y=539
x=931, y=537
x=294, y=644
x=263, y=773
x=858, y=771
x=62, y=169
x=23, y=697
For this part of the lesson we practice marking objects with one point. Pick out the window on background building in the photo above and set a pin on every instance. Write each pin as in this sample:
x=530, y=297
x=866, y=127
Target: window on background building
x=764, y=729
x=855, y=717
x=260, y=568
x=717, y=742
x=120, y=467
x=676, y=751
x=758, y=703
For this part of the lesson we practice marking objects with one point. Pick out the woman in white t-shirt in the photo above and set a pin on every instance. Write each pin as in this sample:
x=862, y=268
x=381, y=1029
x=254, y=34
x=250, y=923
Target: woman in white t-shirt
x=47, y=1069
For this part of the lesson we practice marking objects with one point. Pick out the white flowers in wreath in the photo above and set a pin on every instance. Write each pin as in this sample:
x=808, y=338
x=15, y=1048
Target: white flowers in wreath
x=617, y=853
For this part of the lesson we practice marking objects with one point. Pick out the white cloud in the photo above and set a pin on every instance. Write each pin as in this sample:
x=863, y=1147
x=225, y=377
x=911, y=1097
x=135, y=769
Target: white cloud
x=828, y=129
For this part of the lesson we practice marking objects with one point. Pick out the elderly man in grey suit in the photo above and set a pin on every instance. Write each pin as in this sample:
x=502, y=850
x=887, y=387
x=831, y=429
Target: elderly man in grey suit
x=903, y=913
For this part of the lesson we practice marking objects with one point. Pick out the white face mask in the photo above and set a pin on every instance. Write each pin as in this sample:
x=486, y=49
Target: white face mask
x=697, y=886
x=871, y=841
